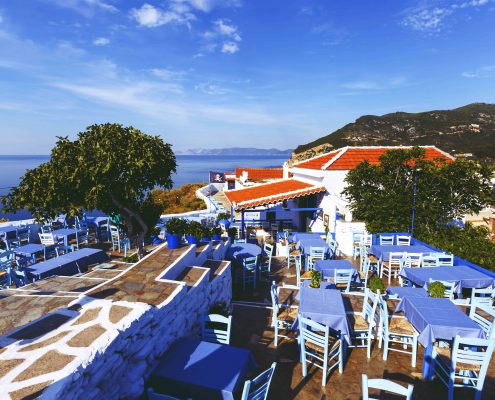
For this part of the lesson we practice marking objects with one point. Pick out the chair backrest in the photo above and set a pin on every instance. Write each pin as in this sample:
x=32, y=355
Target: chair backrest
x=357, y=236
x=258, y=388
x=343, y=277
x=482, y=297
x=47, y=239
x=484, y=316
x=367, y=239
x=415, y=259
x=332, y=245
x=215, y=328
x=403, y=240
x=268, y=249
x=395, y=258
x=114, y=232
x=250, y=262
x=430, y=260
x=475, y=352
x=370, y=304
x=298, y=270
x=386, y=240
x=449, y=288
x=386, y=386
x=46, y=228
x=240, y=241
x=314, y=333
x=317, y=252
x=445, y=260
x=274, y=296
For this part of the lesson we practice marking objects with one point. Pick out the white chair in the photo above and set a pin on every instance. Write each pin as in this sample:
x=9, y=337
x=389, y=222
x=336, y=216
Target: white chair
x=357, y=241
x=445, y=260
x=364, y=273
x=249, y=271
x=449, y=288
x=258, y=388
x=82, y=235
x=342, y=279
x=484, y=316
x=320, y=348
x=292, y=255
x=392, y=266
x=216, y=328
x=396, y=330
x=482, y=297
x=367, y=240
x=50, y=242
x=118, y=241
x=386, y=386
x=415, y=259
x=298, y=271
x=429, y=260
x=386, y=240
x=333, y=246
x=283, y=316
x=364, y=323
x=240, y=241
x=463, y=365
x=403, y=240
x=315, y=254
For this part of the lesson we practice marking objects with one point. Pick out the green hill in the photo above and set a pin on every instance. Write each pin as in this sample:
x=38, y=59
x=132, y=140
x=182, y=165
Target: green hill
x=464, y=130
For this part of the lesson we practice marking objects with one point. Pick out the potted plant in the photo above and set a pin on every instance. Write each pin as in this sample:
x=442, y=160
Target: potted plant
x=153, y=235
x=175, y=228
x=216, y=233
x=232, y=232
x=223, y=219
x=194, y=232
x=206, y=234
x=315, y=279
x=377, y=284
x=436, y=289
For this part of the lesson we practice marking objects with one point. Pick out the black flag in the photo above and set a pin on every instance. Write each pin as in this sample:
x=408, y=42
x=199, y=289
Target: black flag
x=217, y=177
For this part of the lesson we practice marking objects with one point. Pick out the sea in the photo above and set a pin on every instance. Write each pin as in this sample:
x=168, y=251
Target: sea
x=190, y=169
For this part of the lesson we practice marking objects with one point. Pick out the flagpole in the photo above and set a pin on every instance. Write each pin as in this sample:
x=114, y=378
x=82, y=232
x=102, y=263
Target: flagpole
x=209, y=192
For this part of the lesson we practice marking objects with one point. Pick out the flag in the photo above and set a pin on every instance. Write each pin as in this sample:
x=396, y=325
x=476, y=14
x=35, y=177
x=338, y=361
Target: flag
x=217, y=177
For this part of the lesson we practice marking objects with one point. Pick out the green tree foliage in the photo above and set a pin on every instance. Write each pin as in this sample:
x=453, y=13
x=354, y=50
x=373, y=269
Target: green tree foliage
x=382, y=195
x=109, y=167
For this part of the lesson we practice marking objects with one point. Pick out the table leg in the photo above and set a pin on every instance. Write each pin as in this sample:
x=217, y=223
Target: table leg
x=428, y=362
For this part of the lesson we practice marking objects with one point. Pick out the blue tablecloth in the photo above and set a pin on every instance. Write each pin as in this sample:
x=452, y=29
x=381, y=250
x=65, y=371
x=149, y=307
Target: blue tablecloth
x=328, y=267
x=305, y=245
x=296, y=237
x=436, y=319
x=66, y=234
x=8, y=232
x=203, y=370
x=67, y=264
x=326, y=307
x=383, y=252
x=463, y=276
x=29, y=250
x=240, y=251
x=406, y=291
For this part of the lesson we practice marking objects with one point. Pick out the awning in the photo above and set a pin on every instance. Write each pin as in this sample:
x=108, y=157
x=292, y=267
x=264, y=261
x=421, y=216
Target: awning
x=270, y=193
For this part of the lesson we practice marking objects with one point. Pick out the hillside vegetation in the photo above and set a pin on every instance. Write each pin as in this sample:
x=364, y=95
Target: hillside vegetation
x=179, y=200
x=468, y=129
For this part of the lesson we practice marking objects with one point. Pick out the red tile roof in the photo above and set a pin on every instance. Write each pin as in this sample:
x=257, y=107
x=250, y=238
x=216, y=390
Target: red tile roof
x=350, y=157
x=269, y=193
x=260, y=173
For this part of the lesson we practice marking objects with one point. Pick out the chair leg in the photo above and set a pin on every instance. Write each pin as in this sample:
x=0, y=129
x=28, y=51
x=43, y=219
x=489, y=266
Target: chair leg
x=275, y=342
x=385, y=349
x=414, y=350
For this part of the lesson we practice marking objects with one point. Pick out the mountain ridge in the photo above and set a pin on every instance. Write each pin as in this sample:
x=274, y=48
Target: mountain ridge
x=236, y=151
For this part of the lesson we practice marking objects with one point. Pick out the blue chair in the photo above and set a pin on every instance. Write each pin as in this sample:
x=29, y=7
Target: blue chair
x=463, y=365
x=315, y=254
x=479, y=313
x=482, y=297
x=386, y=240
x=342, y=279
x=266, y=261
x=323, y=350
x=283, y=316
x=61, y=250
x=258, y=388
x=82, y=235
x=215, y=328
x=46, y=229
x=50, y=243
x=445, y=260
x=357, y=241
x=292, y=254
x=23, y=234
x=333, y=246
x=396, y=330
x=385, y=386
x=365, y=323
x=240, y=241
x=249, y=267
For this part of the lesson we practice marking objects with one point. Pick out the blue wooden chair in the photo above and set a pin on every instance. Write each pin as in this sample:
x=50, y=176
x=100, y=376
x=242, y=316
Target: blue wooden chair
x=50, y=242
x=320, y=348
x=484, y=316
x=364, y=324
x=333, y=246
x=82, y=235
x=23, y=234
x=249, y=267
x=266, y=261
x=403, y=240
x=46, y=228
x=445, y=260
x=396, y=330
x=258, y=388
x=463, y=365
x=315, y=254
x=429, y=260
x=215, y=328
x=386, y=240
x=61, y=250
x=342, y=279
x=385, y=386
x=357, y=241
x=283, y=316
x=482, y=297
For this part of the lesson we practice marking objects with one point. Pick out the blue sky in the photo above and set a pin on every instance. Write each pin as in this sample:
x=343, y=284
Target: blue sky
x=213, y=73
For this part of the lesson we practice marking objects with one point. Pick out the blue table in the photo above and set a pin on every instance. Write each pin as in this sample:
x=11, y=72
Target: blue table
x=8, y=232
x=29, y=250
x=400, y=292
x=437, y=319
x=239, y=251
x=325, y=306
x=328, y=267
x=305, y=245
x=96, y=223
x=383, y=252
x=66, y=234
x=296, y=237
x=462, y=275
x=203, y=370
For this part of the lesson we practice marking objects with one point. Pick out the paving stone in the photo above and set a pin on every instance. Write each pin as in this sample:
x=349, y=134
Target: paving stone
x=87, y=336
x=49, y=362
x=30, y=392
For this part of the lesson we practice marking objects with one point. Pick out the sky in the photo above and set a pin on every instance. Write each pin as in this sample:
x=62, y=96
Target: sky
x=223, y=73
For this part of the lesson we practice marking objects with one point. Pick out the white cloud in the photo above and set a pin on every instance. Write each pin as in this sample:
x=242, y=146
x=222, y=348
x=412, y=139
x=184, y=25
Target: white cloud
x=167, y=74
x=87, y=7
x=230, y=48
x=101, y=41
x=431, y=19
x=151, y=17
x=224, y=28
x=484, y=72
x=362, y=85
x=211, y=89
x=372, y=85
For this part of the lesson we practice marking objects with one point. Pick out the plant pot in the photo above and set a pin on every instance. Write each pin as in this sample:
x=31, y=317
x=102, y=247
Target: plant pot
x=173, y=240
x=215, y=237
x=205, y=239
x=156, y=240
x=192, y=239
x=225, y=223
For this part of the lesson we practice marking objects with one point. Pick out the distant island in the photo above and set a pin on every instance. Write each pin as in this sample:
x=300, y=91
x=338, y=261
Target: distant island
x=236, y=151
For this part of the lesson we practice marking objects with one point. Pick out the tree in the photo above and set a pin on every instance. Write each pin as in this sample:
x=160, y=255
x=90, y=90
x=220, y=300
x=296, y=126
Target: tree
x=383, y=195
x=109, y=167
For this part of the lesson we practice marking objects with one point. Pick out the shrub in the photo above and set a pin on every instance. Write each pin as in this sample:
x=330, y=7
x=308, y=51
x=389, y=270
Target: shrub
x=436, y=289
x=216, y=230
x=223, y=215
x=196, y=229
x=132, y=259
x=182, y=199
x=315, y=279
x=377, y=284
x=220, y=308
x=232, y=232
x=176, y=226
